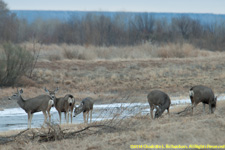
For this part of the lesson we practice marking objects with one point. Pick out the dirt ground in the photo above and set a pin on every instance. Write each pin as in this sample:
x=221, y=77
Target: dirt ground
x=109, y=81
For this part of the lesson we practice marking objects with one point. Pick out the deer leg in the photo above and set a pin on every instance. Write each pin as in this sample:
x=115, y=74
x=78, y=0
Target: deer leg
x=203, y=108
x=71, y=112
x=28, y=121
x=68, y=116
x=210, y=109
x=59, y=116
x=91, y=116
x=71, y=116
x=31, y=116
x=45, y=117
x=151, y=111
x=48, y=111
x=49, y=116
x=67, y=119
x=87, y=116
x=84, y=116
x=192, y=108
x=168, y=111
x=65, y=116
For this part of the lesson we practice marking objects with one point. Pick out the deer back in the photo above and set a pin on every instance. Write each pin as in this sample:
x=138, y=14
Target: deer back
x=158, y=98
x=62, y=104
x=36, y=104
x=202, y=94
x=87, y=104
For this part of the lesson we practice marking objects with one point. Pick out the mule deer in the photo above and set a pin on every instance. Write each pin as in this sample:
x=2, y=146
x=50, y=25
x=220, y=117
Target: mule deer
x=203, y=94
x=40, y=103
x=159, y=100
x=85, y=106
x=63, y=104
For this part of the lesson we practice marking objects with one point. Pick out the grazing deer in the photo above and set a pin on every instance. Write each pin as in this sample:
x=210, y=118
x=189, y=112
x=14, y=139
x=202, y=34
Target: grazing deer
x=85, y=106
x=40, y=103
x=63, y=104
x=159, y=100
x=203, y=94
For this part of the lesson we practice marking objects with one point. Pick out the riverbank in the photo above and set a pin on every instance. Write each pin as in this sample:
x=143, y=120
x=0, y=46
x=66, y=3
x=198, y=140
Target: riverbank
x=173, y=129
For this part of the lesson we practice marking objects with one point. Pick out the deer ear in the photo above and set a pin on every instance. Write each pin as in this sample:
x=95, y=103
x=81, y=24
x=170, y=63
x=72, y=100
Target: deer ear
x=158, y=108
x=56, y=90
x=215, y=98
x=46, y=90
x=21, y=91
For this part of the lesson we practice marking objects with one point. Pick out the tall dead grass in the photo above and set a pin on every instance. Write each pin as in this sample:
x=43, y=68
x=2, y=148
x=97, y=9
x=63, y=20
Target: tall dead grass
x=179, y=51
x=55, y=52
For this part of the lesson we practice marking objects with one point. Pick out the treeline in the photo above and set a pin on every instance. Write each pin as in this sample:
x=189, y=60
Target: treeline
x=119, y=30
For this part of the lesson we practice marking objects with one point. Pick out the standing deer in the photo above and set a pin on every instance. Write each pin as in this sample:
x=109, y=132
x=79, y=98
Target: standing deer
x=63, y=104
x=159, y=100
x=203, y=94
x=85, y=106
x=40, y=103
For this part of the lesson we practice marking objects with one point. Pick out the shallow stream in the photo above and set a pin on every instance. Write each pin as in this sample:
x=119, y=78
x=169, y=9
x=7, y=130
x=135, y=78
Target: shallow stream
x=16, y=118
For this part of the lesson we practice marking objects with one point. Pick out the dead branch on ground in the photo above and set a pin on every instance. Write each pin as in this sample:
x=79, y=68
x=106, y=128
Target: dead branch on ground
x=185, y=111
x=53, y=133
x=4, y=140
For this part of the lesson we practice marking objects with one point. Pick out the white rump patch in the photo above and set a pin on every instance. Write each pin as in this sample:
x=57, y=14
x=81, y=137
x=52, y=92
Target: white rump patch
x=191, y=93
x=50, y=102
x=70, y=100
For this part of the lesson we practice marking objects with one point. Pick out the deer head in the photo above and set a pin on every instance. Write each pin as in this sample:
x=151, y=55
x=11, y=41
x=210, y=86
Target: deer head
x=158, y=112
x=17, y=94
x=51, y=93
x=214, y=104
x=71, y=101
x=78, y=109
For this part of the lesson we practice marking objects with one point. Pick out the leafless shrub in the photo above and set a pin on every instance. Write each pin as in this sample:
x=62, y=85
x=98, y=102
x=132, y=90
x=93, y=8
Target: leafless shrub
x=69, y=54
x=54, y=133
x=15, y=62
x=78, y=52
x=35, y=53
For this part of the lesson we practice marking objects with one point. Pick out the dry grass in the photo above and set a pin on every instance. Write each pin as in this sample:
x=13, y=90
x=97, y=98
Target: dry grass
x=106, y=79
x=109, y=76
x=55, y=52
x=180, y=51
x=201, y=129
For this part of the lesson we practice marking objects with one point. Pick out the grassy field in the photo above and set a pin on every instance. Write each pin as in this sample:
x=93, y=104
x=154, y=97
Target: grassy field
x=108, y=74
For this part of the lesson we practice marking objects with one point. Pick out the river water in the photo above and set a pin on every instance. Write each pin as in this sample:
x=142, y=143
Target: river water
x=16, y=118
